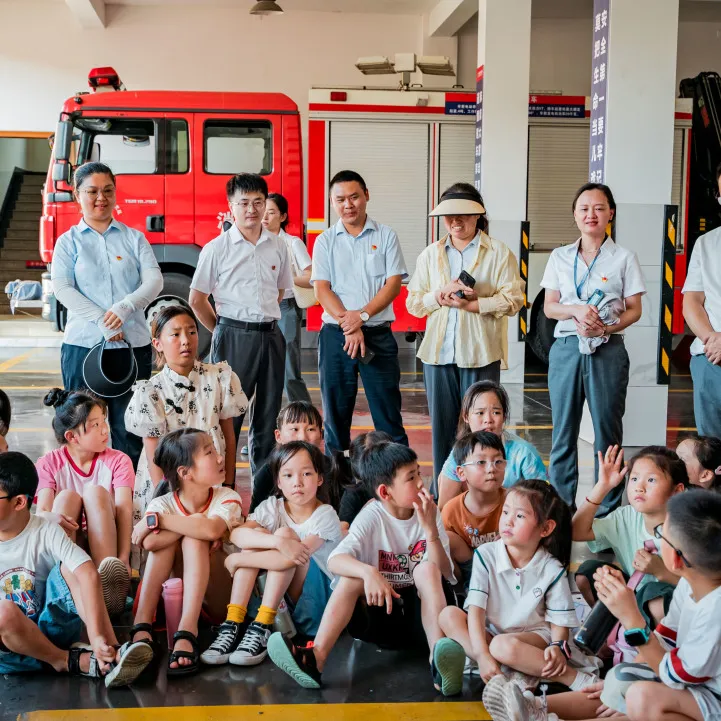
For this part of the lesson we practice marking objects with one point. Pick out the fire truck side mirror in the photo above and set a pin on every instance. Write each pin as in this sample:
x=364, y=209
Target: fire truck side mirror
x=61, y=172
x=63, y=140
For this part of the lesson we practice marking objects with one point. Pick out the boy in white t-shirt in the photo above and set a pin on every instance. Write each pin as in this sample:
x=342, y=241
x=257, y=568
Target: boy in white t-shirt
x=390, y=571
x=49, y=587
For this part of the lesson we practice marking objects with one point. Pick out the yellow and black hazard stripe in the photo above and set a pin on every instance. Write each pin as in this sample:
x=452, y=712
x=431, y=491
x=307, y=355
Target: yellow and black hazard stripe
x=523, y=267
x=663, y=372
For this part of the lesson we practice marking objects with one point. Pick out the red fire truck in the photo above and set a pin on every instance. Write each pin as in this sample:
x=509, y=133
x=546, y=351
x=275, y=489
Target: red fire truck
x=173, y=153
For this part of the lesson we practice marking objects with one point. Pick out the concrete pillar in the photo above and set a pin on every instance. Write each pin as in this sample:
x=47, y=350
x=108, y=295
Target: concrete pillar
x=641, y=73
x=504, y=52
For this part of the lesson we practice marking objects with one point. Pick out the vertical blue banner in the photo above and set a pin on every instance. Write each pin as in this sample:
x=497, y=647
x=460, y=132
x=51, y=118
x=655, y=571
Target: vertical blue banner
x=599, y=94
x=479, y=129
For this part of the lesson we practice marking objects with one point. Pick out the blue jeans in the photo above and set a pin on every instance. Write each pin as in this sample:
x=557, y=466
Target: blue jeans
x=58, y=621
x=339, y=385
x=706, y=396
x=308, y=610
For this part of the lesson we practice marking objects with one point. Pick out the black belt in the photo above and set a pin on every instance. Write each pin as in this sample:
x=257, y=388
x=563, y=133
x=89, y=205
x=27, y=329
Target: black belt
x=243, y=325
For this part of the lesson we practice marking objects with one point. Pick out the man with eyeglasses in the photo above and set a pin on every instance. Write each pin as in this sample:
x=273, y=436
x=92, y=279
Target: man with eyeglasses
x=245, y=269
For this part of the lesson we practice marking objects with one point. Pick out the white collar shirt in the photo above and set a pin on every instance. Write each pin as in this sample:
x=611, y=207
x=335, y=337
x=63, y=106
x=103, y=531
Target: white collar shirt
x=244, y=278
x=704, y=275
x=615, y=271
x=520, y=599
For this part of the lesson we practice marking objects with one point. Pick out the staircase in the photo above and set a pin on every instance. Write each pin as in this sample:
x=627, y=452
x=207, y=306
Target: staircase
x=19, y=234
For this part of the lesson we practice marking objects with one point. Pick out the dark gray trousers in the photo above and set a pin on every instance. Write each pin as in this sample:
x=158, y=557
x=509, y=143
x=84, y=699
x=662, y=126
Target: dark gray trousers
x=289, y=323
x=600, y=378
x=445, y=387
x=258, y=358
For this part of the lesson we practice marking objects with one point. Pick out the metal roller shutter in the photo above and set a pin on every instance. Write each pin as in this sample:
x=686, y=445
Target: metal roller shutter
x=457, y=147
x=393, y=160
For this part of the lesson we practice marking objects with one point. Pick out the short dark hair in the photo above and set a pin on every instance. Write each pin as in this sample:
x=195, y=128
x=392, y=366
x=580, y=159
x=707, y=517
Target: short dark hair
x=466, y=444
x=83, y=172
x=348, y=176
x=175, y=450
x=708, y=453
x=379, y=464
x=298, y=411
x=282, y=204
x=595, y=186
x=694, y=520
x=468, y=189
x=5, y=413
x=718, y=175
x=246, y=183
x=72, y=410
x=478, y=389
x=161, y=319
x=665, y=459
x=18, y=475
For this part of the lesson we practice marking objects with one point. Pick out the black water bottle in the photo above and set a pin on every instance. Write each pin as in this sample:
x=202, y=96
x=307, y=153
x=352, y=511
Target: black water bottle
x=592, y=636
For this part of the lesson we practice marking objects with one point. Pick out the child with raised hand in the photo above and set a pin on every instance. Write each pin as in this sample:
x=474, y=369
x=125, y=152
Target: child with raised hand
x=486, y=407
x=86, y=478
x=298, y=421
x=472, y=518
x=289, y=535
x=49, y=588
x=702, y=457
x=519, y=604
x=186, y=393
x=5, y=414
x=396, y=548
x=655, y=474
x=189, y=523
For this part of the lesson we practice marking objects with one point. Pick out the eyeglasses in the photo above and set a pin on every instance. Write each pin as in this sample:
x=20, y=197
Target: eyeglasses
x=4, y=498
x=679, y=553
x=496, y=464
x=93, y=194
x=244, y=205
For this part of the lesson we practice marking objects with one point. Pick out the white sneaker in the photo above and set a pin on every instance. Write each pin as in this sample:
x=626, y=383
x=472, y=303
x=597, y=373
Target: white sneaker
x=253, y=649
x=522, y=680
x=583, y=680
x=505, y=701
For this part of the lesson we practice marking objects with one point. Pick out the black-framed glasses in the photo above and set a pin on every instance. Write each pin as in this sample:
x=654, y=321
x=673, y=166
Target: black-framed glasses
x=678, y=552
x=4, y=498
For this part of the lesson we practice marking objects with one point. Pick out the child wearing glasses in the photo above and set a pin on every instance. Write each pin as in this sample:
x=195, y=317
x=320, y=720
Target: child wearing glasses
x=185, y=394
x=655, y=475
x=471, y=519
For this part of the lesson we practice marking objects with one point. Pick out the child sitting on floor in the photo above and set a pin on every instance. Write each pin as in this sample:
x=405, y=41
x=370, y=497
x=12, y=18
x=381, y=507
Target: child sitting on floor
x=289, y=535
x=472, y=518
x=86, y=478
x=49, y=587
x=187, y=524
x=655, y=474
x=396, y=549
x=519, y=605
x=702, y=457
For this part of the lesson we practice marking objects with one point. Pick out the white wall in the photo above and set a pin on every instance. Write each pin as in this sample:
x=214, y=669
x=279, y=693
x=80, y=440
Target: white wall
x=27, y=154
x=45, y=55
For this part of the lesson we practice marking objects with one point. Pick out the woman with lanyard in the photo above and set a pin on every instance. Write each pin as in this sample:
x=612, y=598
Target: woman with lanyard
x=467, y=284
x=593, y=289
x=105, y=274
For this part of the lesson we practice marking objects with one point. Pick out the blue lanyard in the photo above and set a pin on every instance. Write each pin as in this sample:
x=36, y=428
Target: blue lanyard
x=587, y=273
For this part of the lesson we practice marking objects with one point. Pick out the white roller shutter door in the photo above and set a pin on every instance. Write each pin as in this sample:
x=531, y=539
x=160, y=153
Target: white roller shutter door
x=393, y=160
x=457, y=146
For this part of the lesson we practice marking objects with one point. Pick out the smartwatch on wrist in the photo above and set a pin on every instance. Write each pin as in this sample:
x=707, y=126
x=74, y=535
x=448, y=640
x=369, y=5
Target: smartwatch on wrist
x=364, y=316
x=563, y=645
x=636, y=637
x=153, y=522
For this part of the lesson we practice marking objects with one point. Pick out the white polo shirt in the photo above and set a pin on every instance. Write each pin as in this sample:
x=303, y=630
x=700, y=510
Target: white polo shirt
x=244, y=279
x=615, y=270
x=299, y=258
x=520, y=599
x=704, y=275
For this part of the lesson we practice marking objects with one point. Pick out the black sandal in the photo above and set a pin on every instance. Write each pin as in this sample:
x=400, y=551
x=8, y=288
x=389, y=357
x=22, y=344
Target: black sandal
x=194, y=655
x=76, y=651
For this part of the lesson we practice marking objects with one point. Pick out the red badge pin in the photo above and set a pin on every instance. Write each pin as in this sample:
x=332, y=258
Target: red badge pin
x=272, y=267
x=604, y=279
x=374, y=247
x=118, y=257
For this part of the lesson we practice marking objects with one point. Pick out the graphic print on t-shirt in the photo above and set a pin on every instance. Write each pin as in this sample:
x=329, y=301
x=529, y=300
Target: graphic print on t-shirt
x=397, y=568
x=18, y=585
x=476, y=538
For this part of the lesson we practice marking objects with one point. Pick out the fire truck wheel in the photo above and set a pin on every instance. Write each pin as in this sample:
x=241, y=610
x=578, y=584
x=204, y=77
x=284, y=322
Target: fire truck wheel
x=176, y=288
x=540, y=336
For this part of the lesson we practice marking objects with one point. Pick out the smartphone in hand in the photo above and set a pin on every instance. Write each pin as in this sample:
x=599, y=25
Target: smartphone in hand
x=368, y=357
x=467, y=279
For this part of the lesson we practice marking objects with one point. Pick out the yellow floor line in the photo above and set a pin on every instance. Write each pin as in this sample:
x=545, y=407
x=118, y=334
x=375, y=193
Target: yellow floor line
x=10, y=362
x=440, y=711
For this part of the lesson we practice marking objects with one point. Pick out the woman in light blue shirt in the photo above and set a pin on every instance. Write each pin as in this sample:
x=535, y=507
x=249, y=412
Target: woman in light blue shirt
x=105, y=274
x=486, y=407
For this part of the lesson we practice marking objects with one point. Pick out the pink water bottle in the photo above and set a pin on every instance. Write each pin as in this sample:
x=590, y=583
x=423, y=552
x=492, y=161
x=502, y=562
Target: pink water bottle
x=173, y=600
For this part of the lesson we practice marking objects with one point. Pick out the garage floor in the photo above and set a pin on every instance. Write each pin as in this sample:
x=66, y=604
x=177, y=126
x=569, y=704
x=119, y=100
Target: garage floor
x=397, y=685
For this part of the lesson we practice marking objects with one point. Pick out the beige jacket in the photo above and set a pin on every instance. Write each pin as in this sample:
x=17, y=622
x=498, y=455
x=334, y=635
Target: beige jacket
x=482, y=337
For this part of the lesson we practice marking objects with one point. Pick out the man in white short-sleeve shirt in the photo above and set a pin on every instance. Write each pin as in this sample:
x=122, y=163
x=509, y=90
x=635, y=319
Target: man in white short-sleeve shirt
x=702, y=311
x=246, y=269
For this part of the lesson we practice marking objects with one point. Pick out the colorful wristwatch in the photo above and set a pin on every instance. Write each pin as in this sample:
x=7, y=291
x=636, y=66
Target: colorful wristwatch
x=637, y=636
x=153, y=522
x=563, y=645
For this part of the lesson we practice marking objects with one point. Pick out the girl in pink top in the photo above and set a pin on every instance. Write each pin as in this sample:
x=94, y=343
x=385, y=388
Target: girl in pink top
x=84, y=475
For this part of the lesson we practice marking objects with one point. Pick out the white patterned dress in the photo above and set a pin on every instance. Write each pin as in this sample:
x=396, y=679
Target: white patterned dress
x=210, y=394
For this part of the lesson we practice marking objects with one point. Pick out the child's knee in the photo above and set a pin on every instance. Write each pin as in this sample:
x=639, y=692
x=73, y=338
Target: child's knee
x=451, y=616
x=194, y=544
x=504, y=648
x=350, y=586
x=286, y=532
x=10, y=616
x=67, y=497
x=642, y=701
x=426, y=575
x=96, y=494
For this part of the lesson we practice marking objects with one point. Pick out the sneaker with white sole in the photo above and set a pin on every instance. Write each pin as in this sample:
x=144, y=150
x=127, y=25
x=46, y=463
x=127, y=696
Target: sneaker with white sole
x=229, y=636
x=253, y=649
x=505, y=701
x=134, y=659
x=115, y=582
x=583, y=680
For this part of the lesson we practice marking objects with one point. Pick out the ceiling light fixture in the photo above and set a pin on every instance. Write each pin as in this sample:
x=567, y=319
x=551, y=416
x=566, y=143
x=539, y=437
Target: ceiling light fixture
x=266, y=7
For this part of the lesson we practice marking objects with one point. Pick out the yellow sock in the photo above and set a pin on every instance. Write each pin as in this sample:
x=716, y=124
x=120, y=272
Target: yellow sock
x=266, y=616
x=236, y=613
